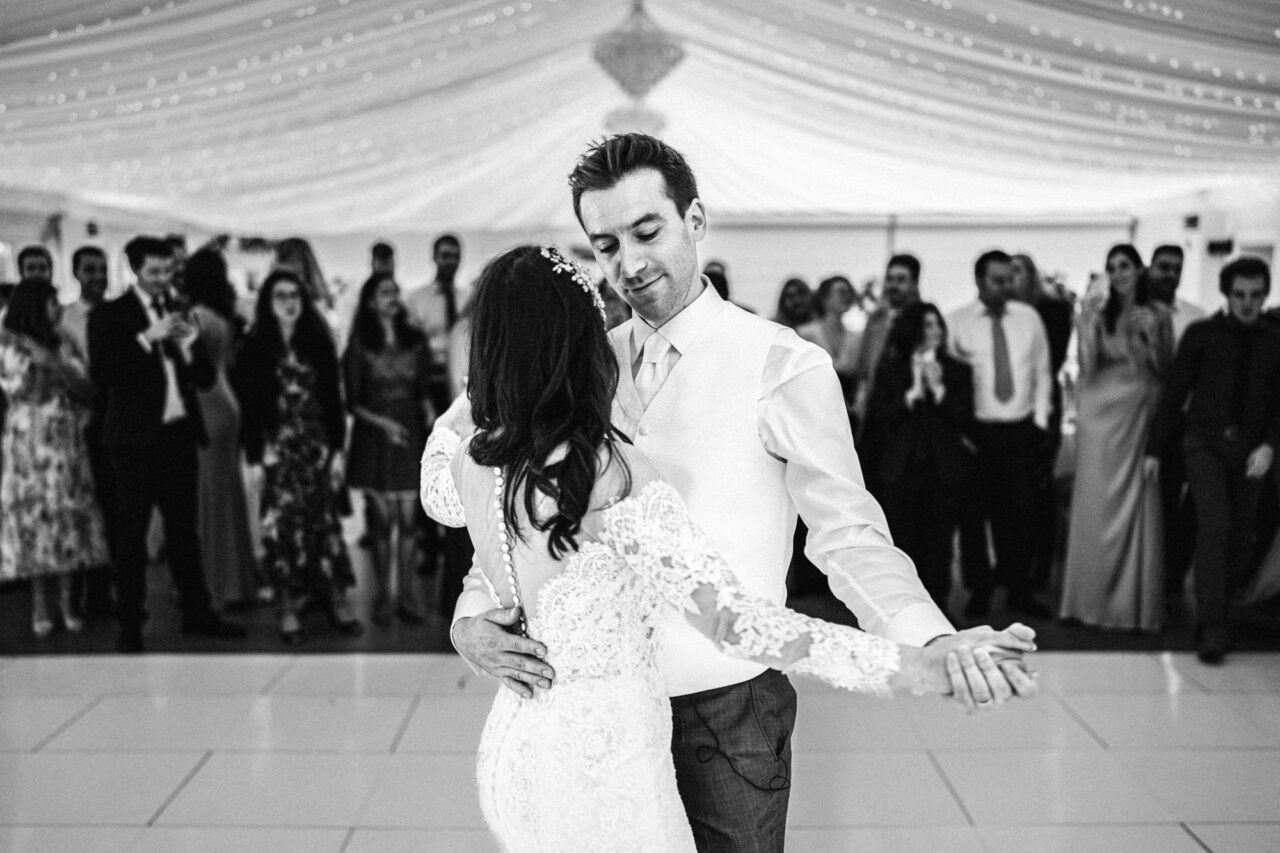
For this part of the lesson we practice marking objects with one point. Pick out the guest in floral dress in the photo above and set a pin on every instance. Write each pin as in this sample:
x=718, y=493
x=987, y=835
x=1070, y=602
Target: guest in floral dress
x=50, y=525
x=388, y=372
x=293, y=426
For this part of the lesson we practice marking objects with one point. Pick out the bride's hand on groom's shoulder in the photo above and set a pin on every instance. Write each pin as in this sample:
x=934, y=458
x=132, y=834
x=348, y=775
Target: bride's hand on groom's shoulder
x=977, y=668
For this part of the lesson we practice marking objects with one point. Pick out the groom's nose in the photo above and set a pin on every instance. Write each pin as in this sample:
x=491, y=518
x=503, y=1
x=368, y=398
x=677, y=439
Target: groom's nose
x=632, y=260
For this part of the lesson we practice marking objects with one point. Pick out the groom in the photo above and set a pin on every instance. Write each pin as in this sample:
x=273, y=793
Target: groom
x=747, y=421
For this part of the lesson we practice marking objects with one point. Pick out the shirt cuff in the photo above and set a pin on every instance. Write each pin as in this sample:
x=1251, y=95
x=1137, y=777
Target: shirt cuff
x=917, y=624
x=144, y=343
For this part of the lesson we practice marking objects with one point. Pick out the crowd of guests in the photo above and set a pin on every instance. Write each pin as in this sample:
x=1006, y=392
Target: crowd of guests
x=157, y=399
x=151, y=404
x=959, y=426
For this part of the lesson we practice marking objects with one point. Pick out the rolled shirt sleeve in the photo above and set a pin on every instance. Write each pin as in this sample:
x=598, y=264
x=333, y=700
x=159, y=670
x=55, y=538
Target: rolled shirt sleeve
x=802, y=421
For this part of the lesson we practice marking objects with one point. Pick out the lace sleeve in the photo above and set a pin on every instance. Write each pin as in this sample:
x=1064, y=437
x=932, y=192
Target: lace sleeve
x=439, y=493
x=652, y=531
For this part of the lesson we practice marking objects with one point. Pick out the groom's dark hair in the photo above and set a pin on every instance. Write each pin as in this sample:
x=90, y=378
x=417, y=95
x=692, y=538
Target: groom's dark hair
x=610, y=160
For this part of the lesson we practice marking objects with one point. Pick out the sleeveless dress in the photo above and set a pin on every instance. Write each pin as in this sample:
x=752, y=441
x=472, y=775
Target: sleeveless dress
x=586, y=765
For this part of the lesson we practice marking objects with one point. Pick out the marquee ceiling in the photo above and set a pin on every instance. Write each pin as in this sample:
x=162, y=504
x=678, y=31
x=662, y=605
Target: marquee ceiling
x=332, y=116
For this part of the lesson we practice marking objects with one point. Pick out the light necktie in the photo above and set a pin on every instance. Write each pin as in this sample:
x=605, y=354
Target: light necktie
x=654, y=368
x=1000, y=354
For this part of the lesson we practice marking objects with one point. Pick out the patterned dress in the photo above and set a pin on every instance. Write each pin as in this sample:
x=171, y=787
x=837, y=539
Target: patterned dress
x=49, y=518
x=301, y=530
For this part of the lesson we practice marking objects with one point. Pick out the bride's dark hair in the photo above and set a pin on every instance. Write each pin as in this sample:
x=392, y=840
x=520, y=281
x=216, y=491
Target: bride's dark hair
x=541, y=377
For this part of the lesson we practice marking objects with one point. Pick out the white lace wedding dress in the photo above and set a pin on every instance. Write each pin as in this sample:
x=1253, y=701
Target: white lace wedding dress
x=586, y=765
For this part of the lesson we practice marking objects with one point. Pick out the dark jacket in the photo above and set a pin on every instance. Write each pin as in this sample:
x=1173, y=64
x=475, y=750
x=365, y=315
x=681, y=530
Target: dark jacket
x=131, y=380
x=1203, y=380
x=257, y=386
x=927, y=434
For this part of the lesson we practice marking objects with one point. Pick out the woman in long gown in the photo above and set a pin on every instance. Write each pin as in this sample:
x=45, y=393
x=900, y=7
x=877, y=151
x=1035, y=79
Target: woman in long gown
x=575, y=529
x=1114, y=566
x=50, y=524
x=225, y=546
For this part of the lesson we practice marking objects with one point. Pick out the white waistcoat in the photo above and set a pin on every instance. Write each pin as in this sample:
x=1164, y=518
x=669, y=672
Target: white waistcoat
x=700, y=431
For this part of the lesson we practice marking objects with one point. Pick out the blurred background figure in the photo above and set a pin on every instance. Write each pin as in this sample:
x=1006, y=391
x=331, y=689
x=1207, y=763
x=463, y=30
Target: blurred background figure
x=901, y=288
x=795, y=304
x=834, y=298
x=50, y=525
x=1114, y=573
x=223, y=513
x=918, y=419
x=388, y=371
x=294, y=426
x=295, y=254
x=382, y=259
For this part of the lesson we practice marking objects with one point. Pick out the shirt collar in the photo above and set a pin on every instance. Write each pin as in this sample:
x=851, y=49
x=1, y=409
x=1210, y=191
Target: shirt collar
x=144, y=296
x=682, y=329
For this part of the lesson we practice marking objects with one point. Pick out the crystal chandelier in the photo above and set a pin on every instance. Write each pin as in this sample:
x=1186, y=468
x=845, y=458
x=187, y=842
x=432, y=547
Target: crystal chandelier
x=638, y=54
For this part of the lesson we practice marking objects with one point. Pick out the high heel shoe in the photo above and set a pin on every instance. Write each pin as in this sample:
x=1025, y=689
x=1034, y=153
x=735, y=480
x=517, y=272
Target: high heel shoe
x=74, y=623
x=41, y=626
x=343, y=620
x=291, y=630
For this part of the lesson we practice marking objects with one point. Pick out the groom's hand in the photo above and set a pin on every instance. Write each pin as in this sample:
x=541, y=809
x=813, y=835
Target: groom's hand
x=486, y=640
x=986, y=668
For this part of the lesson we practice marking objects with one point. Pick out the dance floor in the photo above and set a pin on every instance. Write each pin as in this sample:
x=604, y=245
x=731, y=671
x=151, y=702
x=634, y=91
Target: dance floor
x=1124, y=751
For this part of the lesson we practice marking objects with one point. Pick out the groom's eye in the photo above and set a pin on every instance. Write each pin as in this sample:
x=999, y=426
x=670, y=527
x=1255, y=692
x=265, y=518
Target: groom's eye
x=647, y=236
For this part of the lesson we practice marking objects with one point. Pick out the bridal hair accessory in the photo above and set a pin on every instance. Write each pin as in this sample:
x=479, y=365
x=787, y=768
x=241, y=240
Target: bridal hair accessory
x=561, y=264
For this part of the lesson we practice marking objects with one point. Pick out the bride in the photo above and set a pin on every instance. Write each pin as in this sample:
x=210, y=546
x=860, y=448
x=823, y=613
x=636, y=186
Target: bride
x=576, y=532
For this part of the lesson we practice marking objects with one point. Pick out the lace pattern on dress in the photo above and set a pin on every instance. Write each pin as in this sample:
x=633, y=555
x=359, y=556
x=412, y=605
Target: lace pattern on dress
x=653, y=532
x=439, y=493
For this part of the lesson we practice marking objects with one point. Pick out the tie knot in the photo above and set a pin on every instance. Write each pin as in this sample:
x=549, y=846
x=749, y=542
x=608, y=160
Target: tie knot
x=656, y=348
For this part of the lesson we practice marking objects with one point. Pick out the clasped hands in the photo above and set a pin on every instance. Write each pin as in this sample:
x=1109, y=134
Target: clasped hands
x=977, y=668
x=172, y=327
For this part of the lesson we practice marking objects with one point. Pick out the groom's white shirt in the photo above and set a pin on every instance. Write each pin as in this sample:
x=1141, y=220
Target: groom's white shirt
x=749, y=425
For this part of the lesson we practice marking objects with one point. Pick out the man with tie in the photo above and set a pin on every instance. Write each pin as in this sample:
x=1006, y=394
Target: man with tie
x=147, y=363
x=747, y=421
x=1004, y=341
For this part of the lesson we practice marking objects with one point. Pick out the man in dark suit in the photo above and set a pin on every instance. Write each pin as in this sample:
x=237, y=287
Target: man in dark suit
x=147, y=361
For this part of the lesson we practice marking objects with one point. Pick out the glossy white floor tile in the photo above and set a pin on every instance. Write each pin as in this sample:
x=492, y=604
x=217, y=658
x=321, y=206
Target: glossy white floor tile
x=1239, y=837
x=1179, y=720
x=869, y=789
x=1233, y=785
x=66, y=839
x=26, y=721
x=1163, y=838
x=421, y=841
x=89, y=788
x=375, y=754
x=223, y=840
x=262, y=723
x=277, y=789
x=1068, y=786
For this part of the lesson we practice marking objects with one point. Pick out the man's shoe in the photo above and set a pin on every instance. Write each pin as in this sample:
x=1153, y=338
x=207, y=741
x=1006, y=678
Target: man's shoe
x=979, y=605
x=1214, y=645
x=130, y=641
x=1028, y=605
x=212, y=625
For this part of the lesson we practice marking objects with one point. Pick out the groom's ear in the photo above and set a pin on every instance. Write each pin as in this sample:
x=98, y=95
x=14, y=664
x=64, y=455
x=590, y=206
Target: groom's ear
x=695, y=219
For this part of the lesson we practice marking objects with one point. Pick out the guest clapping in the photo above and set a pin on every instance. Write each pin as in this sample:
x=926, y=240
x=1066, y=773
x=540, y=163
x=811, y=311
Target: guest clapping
x=918, y=417
x=1114, y=567
x=50, y=525
x=388, y=371
x=294, y=426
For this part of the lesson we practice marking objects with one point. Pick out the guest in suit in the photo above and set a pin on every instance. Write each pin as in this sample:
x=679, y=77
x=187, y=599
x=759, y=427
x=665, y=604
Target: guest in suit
x=50, y=526
x=901, y=288
x=920, y=412
x=148, y=361
x=1058, y=316
x=1227, y=379
x=223, y=507
x=89, y=266
x=294, y=426
x=1114, y=572
x=1005, y=344
x=1164, y=276
x=795, y=304
x=387, y=370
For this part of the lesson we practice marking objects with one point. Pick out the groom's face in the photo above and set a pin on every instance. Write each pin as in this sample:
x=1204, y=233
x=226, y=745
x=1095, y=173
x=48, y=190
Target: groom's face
x=644, y=246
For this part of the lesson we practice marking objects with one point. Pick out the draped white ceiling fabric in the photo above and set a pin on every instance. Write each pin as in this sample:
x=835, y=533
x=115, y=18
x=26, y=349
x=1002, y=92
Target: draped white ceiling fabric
x=346, y=116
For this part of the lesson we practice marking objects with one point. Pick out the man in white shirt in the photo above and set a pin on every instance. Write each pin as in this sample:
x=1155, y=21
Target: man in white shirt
x=1163, y=277
x=1004, y=341
x=747, y=421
